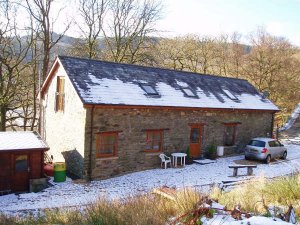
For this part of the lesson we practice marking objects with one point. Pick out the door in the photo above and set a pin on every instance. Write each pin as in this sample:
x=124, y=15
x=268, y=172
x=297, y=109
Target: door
x=196, y=141
x=21, y=172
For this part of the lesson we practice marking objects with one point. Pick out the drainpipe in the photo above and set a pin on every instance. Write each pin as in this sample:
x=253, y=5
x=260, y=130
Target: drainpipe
x=272, y=124
x=91, y=145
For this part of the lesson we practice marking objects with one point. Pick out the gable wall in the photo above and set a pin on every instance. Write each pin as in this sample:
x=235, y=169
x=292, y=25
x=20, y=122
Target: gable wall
x=132, y=140
x=64, y=131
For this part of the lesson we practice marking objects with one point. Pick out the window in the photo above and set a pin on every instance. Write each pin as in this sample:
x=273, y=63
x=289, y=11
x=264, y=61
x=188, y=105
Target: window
x=21, y=163
x=149, y=89
x=195, y=135
x=154, y=140
x=230, y=134
x=257, y=143
x=272, y=144
x=60, y=94
x=106, y=144
x=188, y=92
x=230, y=95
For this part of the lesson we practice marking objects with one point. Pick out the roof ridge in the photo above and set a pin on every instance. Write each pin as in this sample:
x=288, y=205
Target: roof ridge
x=150, y=67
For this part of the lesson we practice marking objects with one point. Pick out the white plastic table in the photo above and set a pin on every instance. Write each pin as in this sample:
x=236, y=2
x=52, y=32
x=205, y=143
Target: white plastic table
x=178, y=155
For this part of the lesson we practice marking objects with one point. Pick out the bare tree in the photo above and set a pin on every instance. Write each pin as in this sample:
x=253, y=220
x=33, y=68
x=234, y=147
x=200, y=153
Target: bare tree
x=40, y=11
x=92, y=12
x=13, y=50
x=129, y=24
x=272, y=67
x=237, y=55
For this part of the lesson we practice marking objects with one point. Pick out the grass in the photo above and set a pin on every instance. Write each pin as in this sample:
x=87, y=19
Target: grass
x=256, y=196
x=139, y=210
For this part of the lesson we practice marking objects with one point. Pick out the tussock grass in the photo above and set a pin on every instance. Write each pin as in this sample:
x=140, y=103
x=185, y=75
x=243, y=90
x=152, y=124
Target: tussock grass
x=257, y=195
x=138, y=210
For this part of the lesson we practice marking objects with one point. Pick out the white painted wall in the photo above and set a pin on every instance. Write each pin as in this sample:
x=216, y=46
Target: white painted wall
x=64, y=130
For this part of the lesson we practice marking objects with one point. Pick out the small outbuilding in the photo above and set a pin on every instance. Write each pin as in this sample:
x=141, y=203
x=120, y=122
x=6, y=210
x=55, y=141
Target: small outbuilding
x=21, y=159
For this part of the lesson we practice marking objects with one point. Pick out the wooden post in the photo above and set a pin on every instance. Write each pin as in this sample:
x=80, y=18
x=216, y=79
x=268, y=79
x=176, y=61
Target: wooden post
x=249, y=171
x=235, y=170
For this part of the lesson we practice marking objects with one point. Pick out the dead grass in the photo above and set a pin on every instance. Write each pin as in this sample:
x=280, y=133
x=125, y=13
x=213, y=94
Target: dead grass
x=139, y=210
x=257, y=195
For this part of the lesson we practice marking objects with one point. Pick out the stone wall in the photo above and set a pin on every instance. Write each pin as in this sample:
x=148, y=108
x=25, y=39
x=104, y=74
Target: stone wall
x=64, y=130
x=132, y=140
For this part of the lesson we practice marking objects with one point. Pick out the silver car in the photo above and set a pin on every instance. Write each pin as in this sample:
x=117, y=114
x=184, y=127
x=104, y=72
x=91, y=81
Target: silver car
x=265, y=149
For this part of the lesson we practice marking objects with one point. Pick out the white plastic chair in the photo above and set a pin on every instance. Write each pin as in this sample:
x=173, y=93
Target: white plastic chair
x=164, y=159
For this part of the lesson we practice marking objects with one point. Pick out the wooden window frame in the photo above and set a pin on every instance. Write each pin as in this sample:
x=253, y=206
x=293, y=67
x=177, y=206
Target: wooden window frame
x=160, y=132
x=234, y=125
x=98, y=144
x=60, y=94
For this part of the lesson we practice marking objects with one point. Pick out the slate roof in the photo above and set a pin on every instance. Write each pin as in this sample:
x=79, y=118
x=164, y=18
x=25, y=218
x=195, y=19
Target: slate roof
x=19, y=140
x=108, y=83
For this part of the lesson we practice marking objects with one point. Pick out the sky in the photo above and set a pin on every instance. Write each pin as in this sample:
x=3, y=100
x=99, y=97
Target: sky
x=215, y=17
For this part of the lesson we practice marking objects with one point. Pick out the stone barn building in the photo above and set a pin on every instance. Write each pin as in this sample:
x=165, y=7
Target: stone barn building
x=106, y=119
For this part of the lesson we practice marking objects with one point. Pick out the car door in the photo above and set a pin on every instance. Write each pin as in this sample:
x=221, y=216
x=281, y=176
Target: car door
x=280, y=149
x=272, y=149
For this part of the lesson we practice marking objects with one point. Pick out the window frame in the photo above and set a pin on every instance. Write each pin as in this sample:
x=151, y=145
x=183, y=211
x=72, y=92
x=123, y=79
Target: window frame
x=99, y=135
x=185, y=89
x=229, y=94
x=143, y=86
x=161, y=135
x=60, y=94
x=234, y=125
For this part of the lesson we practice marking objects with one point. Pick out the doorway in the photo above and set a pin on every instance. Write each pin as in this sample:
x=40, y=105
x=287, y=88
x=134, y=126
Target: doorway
x=21, y=172
x=196, y=136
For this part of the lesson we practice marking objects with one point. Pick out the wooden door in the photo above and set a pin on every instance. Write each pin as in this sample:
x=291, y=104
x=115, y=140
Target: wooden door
x=21, y=172
x=196, y=141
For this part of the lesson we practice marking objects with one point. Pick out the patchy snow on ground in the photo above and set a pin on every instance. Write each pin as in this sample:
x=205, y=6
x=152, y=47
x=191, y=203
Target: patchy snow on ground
x=70, y=194
x=254, y=220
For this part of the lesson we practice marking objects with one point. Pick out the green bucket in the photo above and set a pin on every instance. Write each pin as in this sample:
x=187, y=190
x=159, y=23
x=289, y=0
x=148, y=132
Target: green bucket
x=59, y=172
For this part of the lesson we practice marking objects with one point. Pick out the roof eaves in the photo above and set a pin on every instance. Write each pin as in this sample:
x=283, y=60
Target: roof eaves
x=91, y=105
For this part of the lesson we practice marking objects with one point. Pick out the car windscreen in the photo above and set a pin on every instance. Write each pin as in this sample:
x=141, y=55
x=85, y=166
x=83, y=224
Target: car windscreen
x=257, y=143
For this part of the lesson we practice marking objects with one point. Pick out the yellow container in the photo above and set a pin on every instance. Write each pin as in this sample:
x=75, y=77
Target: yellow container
x=59, y=172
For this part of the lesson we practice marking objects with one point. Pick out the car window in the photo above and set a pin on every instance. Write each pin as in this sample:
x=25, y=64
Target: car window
x=272, y=144
x=277, y=143
x=257, y=143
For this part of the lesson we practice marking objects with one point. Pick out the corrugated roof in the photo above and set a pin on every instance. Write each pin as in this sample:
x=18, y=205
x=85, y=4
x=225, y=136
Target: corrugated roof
x=108, y=83
x=17, y=140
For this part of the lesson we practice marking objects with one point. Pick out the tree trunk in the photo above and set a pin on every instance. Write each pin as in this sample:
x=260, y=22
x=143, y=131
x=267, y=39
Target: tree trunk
x=3, y=118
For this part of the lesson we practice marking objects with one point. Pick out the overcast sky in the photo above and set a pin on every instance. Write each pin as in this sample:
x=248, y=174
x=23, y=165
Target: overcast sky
x=213, y=17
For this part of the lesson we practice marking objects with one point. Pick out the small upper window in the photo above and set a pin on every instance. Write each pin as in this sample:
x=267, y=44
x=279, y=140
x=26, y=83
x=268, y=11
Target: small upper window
x=149, y=89
x=60, y=94
x=230, y=95
x=188, y=92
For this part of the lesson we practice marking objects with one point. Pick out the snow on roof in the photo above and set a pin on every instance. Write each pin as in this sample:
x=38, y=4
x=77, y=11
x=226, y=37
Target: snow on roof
x=17, y=140
x=100, y=82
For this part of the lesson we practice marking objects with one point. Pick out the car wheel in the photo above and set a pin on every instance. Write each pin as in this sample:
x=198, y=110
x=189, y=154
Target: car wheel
x=246, y=157
x=284, y=155
x=268, y=159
